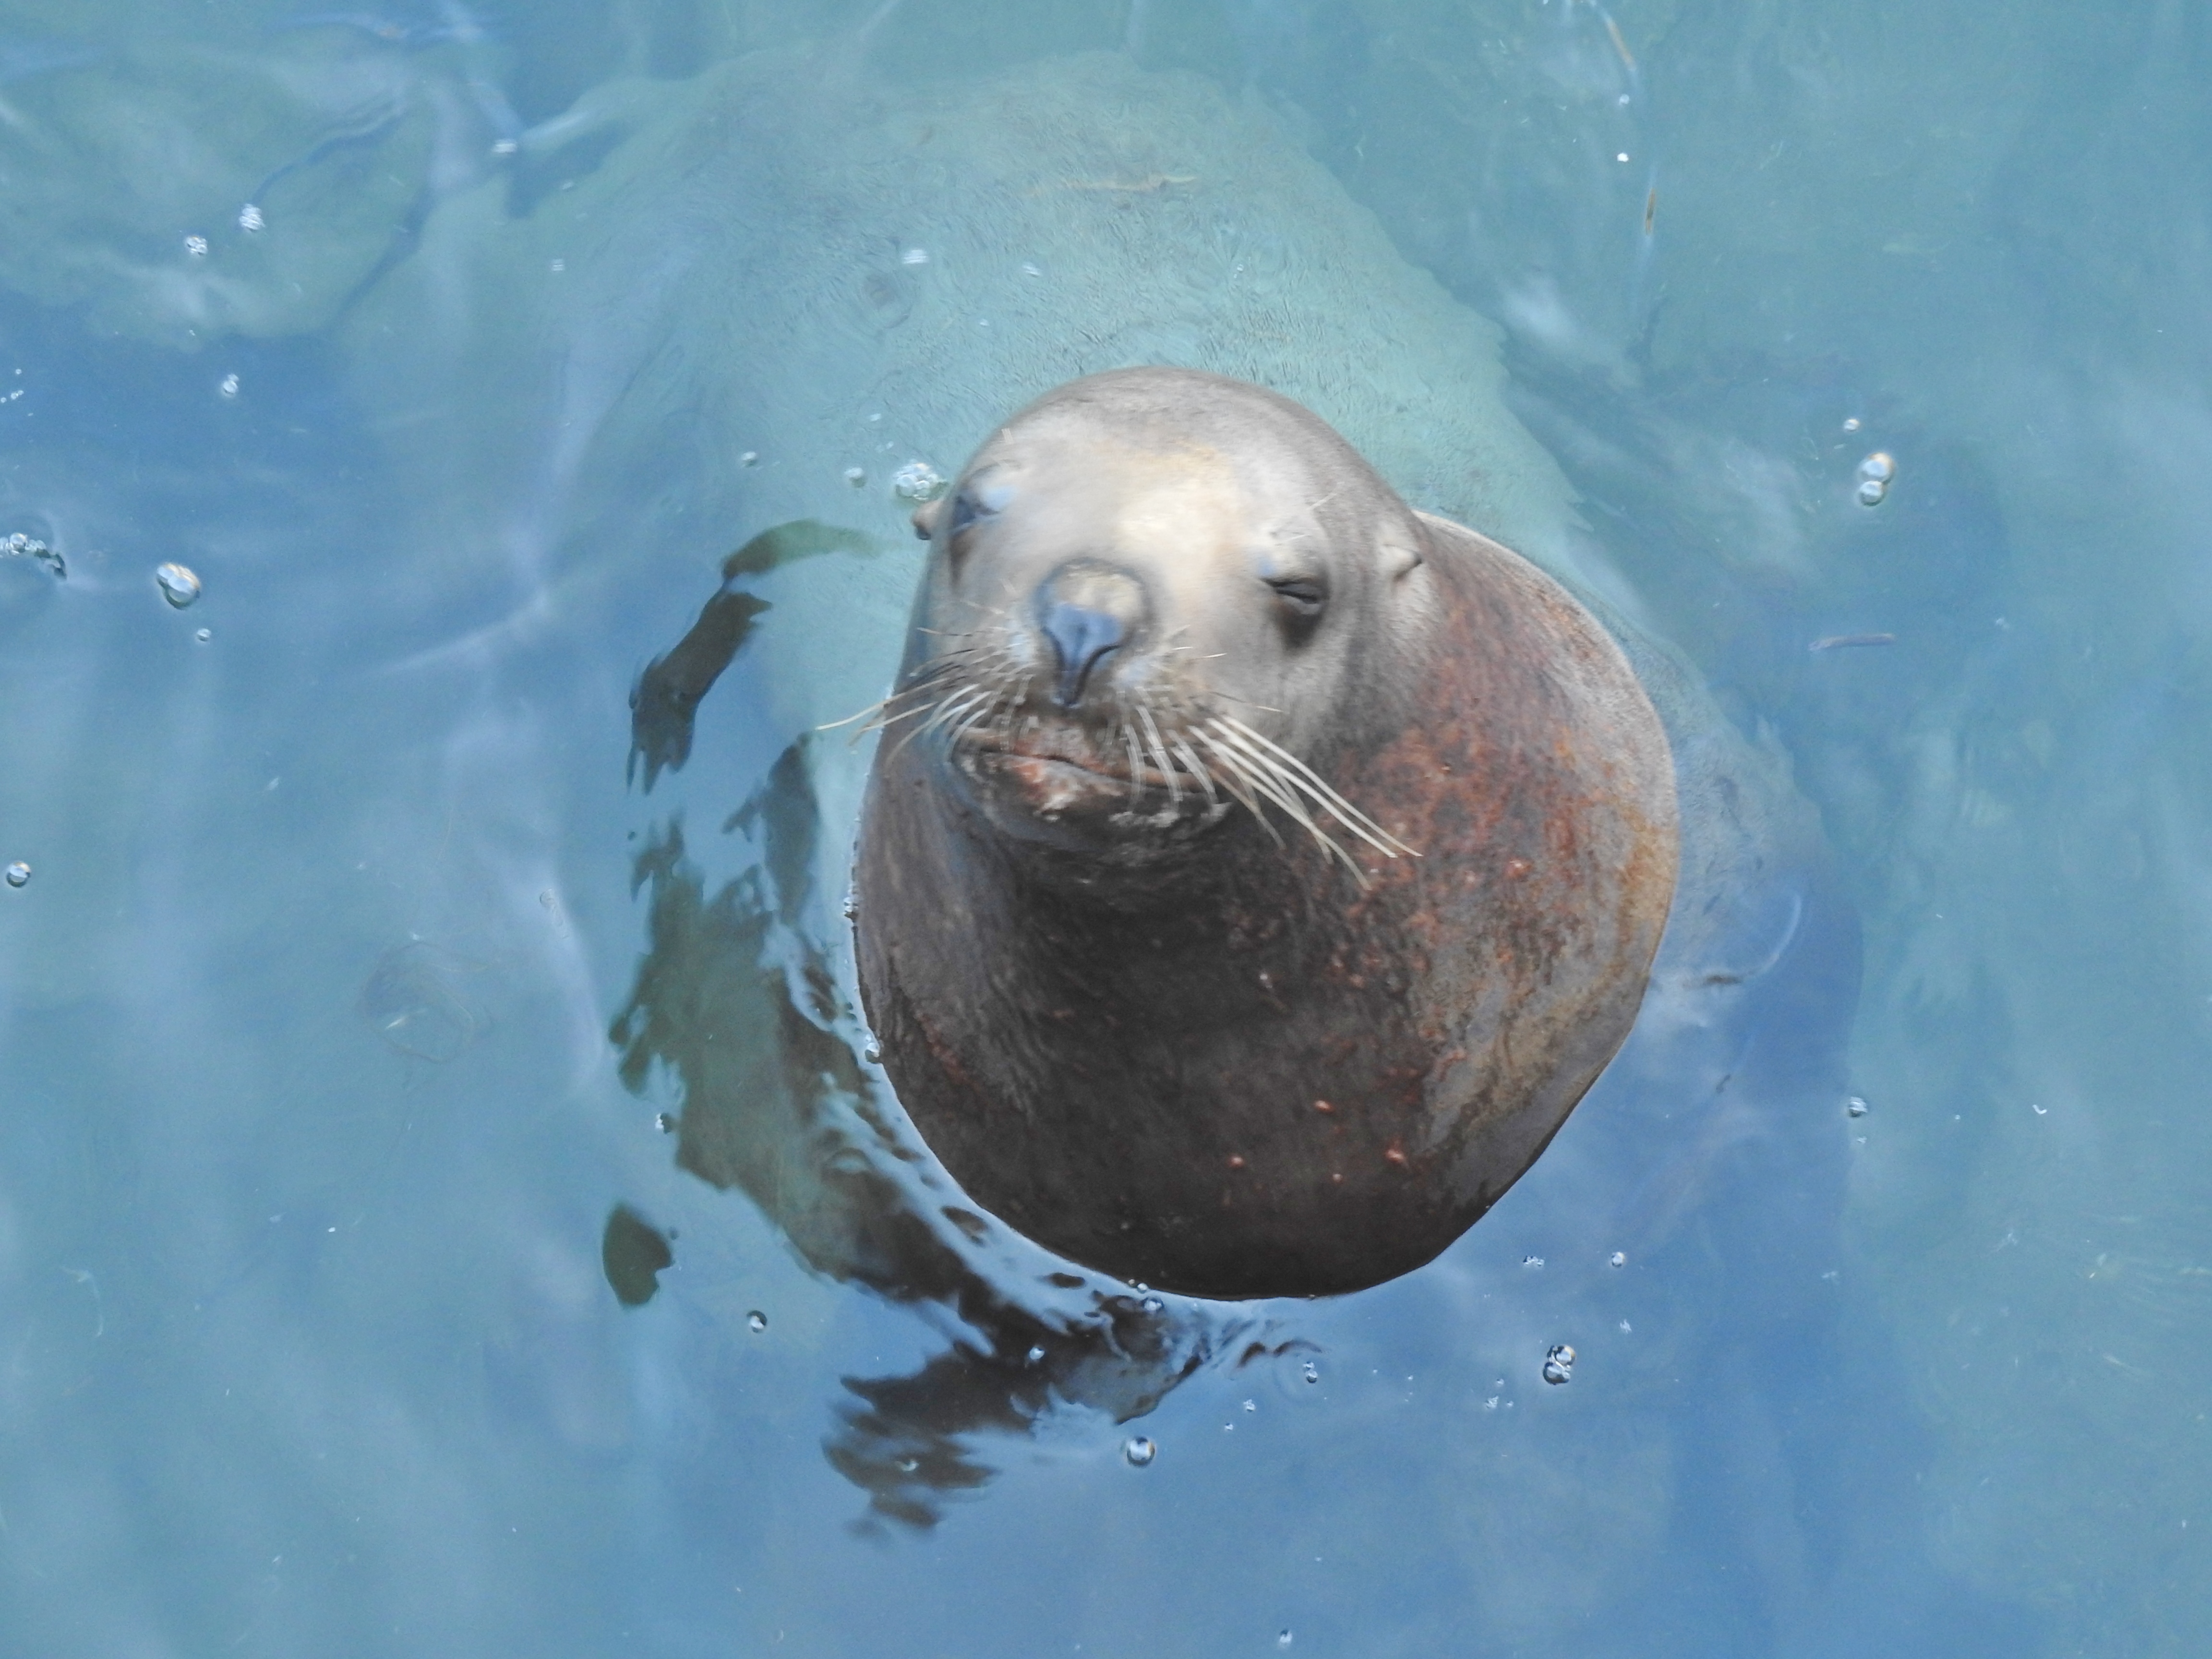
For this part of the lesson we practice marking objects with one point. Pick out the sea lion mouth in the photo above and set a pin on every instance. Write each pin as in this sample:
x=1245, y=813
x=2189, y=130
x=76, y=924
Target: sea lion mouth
x=1022, y=764
x=1054, y=772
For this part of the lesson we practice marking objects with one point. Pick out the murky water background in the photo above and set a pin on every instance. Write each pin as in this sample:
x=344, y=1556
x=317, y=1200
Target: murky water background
x=445, y=1202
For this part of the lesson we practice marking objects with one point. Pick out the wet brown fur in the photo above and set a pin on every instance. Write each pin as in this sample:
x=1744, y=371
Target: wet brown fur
x=1238, y=1068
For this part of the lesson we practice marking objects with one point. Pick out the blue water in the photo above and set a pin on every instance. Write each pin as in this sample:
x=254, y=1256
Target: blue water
x=445, y=1203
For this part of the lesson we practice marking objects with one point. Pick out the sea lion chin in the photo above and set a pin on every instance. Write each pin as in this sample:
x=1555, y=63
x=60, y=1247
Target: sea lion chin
x=1254, y=873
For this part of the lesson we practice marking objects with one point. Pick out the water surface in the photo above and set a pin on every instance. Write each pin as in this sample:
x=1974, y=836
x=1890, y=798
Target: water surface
x=445, y=1201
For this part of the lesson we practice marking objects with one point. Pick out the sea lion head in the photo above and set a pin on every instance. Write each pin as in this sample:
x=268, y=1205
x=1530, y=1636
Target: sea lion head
x=1155, y=598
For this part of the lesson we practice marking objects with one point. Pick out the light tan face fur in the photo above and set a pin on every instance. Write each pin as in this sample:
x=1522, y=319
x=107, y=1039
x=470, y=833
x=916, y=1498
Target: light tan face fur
x=1243, y=595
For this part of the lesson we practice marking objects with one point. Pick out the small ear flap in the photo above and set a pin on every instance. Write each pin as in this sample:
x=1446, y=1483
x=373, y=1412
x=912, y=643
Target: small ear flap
x=925, y=520
x=1398, y=555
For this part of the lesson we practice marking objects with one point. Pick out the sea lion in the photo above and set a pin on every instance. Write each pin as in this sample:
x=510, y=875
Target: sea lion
x=1254, y=872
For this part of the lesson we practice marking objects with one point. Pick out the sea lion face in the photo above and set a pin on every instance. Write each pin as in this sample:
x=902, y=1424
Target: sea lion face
x=1151, y=599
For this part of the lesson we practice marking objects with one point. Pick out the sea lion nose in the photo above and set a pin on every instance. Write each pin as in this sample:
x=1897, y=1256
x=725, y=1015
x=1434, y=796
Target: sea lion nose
x=1081, y=637
x=1087, y=609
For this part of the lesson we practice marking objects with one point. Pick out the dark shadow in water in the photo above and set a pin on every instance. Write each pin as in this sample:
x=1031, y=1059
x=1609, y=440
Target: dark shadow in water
x=633, y=1251
x=744, y=1012
x=666, y=700
x=776, y=1105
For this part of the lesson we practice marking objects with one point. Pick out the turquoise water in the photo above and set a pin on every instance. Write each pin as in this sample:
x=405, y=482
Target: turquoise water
x=445, y=1203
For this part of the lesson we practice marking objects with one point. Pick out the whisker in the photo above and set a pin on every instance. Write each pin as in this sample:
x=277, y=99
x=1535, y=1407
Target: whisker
x=954, y=707
x=1233, y=781
x=1199, y=769
x=925, y=679
x=955, y=704
x=1268, y=788
x=1342, y=810
x=1159, y=751
x=871, y=708
x=970, y=722
x=889, y=721
x=1262, y=775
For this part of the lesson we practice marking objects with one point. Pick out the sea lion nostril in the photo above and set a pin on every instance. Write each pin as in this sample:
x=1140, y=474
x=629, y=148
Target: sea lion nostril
x=1081, y=637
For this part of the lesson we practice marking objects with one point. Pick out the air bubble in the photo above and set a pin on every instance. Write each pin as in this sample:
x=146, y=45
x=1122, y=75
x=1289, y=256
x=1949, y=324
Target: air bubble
x=228, y=387
x=1152, y=1304
x=249, y=218
x=1283, y=1639
x=1617, y=1258
x=1560, y=1364
x=856, y=475
x=20, y=546
x=197, y=246
x=1036, y=1356
x=505, y=146
x=914, y=256
x=751, y=458
x=178, y=585
x=1855, y=1107
x=204, y=634
x=1532, y=1260
x=1872, y=492
x=1851, y=424
x=18, y=873
x=1879, y=466
x=917, y=480
x=1139, y=1451
x=664, y=1121
x=756, y=1321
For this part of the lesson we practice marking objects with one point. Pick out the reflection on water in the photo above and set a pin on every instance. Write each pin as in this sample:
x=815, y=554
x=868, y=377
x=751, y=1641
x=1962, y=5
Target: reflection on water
x=350, y=1299
x=745, y=1014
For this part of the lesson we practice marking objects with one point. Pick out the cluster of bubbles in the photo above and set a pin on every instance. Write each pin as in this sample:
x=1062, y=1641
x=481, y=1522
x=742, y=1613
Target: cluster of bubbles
x=1876, y=474
x=178, y=585
x=918, y=480
x=1560, y=1364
